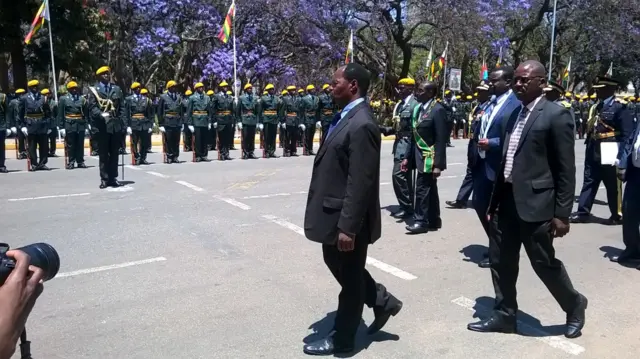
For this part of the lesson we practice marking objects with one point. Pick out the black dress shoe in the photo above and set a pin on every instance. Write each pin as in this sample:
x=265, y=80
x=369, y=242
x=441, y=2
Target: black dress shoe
x=43, y=168
x=82, y=165
x=416, y=229
x=484, y=263
x=456, y=204
x=144, y=162
x=614, y=221
x=401, y=214
x=576, y=320
x=103, y=184
x=325, y=346
x=494, y=324
x=579, y=218
x=435, y=225
x=70, y=166
x=3, y=170
x=625, y=257
x=382, y=316
x=114, y=183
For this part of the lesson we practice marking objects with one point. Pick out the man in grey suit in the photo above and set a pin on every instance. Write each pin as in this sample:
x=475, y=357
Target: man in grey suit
x=343, y=211
x=532, y=200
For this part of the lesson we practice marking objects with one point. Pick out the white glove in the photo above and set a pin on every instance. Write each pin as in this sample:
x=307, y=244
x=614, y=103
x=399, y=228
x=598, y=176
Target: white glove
x=89, y=127
x=302, y=127
x=86, y=132
x=14, y=130
x=48, y=131
x=63, y=132
x=150, y=130
x=209, y=126
x=191, y=129
x=8, y=132
x=162, y=129
x=283, y=125
x=215, y=125
x=260, y=126
x=318, y=124
x=454, y=109
x=239, y=125
x=129, y=131
x=24, y=130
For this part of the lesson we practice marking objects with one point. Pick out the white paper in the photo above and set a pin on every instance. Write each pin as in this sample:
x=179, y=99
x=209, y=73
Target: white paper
x=608, y=153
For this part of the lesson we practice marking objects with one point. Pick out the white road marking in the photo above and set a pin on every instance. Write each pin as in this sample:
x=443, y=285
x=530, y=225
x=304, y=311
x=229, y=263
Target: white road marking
x=273, y=195
x=385, y=183
x=234, y=203
x=371, y=261
x=157, y=174
x=48, y=197
x=456, y=164
x=110, y=267
x=527, y=330
x=189, y=185
x=120, y=189
x=135, y=168
x=445, y=177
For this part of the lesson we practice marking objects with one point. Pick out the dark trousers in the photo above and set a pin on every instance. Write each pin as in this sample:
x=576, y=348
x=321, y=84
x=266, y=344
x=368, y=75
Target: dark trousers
x=93, y=142
x=309, y=133
x=291, y=140
x=109, y=145
x=450, y=125
x=402, y=186
x=248, y=139
x=172, y=140
x=38, y=145
x=427, y=209
x=3, y=154
x=202, y=141
x=21, y=138
x=231, y=135
x=225, y=138
x=631, y=210
x=123, y=142
x=213, y=138
x=139, y=144
x=52, y=141
x=482, y=188
x=466, y=187
x=75, y=146
x=358, y=287
x=149, y=136
x=188, y=138
x=594, y=173
x=270, y=130
x=504, y=255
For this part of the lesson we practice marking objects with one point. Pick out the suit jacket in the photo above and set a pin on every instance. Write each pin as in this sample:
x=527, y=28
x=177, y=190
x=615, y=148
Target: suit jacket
x=544, y=170
x=434, y=130
x=625, y=161
x=345, y=183
x=491, y=162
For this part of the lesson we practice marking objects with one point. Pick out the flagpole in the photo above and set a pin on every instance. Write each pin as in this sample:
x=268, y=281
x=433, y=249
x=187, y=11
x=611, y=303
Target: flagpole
x=553, y=37
x=353, y=46
x=53, y=65
x=446, y=64
x=235, y=69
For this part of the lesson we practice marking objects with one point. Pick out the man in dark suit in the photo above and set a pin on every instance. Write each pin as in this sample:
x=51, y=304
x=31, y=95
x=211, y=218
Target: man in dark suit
x=343, y=211
x=629, y=172
x=532, y=201
x=428, y=155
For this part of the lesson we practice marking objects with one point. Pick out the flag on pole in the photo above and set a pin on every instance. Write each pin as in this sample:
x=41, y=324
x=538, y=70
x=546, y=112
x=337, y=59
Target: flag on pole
x=225, y=30
x=499, y=58
x=565, y=75
x=609, y=73
x=429, y=66
x=38, y=21
x=484, y=71
x=442, y=61
x=349, y=56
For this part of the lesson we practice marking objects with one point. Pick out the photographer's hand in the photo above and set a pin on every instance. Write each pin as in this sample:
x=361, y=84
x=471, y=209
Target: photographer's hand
x=18, y=295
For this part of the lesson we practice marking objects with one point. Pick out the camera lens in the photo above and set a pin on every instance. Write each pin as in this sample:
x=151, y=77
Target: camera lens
x=45, y=257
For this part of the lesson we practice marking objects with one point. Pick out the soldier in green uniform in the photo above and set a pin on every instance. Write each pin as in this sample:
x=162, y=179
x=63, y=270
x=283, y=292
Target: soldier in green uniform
x=187, y=134
x=223, y=108
x=199, y=120
x=248, y=110
x=269, y=119
x=170, y=120
x=106, y=113
x=53, y=121
x=289, y=119
x=282, y=128
x=212, y=138
x=327, y=110
x=72, y=117
x=35, y=122
x=13, y=111
x=139, y=120
x=6, y=128
x=554, y=92
x=310, y=110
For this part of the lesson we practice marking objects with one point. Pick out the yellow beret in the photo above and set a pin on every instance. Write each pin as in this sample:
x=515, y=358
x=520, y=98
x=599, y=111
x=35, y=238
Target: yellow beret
x=265, y=93
x=325, y=86
x=72, y=85
x=45, y=91
x=458, y=97
x=568, y=94
x=102, y=70
x=291, y=88
x=19, y=91
x=407, y=81
x=592, y=96
x=447, y=92
x=311, y=87
x=632, y=98
x=32, y=83
x=170, y=84
x=198, y=85
x=224, y=84
x=248, y=86
x=210, y=92
x=135, y=85
x=229, y=93
x=469, y=97
x=475, y=94
x=269, y=87
x=284, y=92
x=300, y=91
x=188, y=93
x=144, y=91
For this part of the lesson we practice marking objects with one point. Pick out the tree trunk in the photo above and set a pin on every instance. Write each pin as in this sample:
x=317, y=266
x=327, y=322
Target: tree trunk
x=4, y=73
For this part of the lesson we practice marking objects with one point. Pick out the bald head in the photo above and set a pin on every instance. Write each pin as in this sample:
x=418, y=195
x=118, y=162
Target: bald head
x=428, y=85
x=534, y=67
x=426, y=91
x=530, y=79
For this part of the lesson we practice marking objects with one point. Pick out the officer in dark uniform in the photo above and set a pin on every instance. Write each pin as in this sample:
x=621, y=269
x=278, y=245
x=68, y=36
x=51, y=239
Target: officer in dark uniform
x=554, y=92
x=35, y=123
x=199, y=120
x=282, y=127
x=609, y=121
x=269, y=119
x=13, y=110
x=289, y=118
x=187, y=134
x=427, y=153
x=223, y=108
x=170, y=120
x=449, y=104
x=577, y=110
x=53, y=121
x=327, y=110
x=247, y=113
x=212, y=138
x=7, y=127
x=139, y=117
x=310, y=110
x=72, y=117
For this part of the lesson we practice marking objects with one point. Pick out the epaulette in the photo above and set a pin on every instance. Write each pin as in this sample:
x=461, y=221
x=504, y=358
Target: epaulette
x=565, y=104
x=619, y=100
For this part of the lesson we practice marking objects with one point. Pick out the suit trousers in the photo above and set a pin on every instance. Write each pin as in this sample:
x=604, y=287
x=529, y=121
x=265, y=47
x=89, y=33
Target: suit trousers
x=53, y=136
x=631, y=210
x=139, y=144
x=466, y=187
x=427, y=209
x=93, y=142
x=291, y=140
x=38, y=145
x=482, y=189
x=172, y=138
x=108, y=150
x=270, y=130
x=248, y=139
x=202, y=144
x=75, y=146
x=3, y=154
x=594, y=174
x=504, y=255
x=402, y=186
x=309, y=133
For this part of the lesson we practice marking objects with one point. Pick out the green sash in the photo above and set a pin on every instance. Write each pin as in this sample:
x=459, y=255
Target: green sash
x=428, y=152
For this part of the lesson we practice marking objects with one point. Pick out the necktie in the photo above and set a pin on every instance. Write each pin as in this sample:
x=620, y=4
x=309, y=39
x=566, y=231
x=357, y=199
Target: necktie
x=514, y=141
x=485, y=119
x=334, y=123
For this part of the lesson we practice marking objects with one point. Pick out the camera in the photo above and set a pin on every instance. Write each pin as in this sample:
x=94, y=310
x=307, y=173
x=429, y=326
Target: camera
x=43, y=256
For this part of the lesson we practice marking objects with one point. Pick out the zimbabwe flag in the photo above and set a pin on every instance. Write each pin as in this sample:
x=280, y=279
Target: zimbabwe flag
x=225, y=30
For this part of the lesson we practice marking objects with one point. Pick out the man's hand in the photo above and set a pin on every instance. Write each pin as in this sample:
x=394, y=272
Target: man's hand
x=559, y=227
x=483, y=144
x=17, y=297
x=346, y=242
x=621, y=175
x=436, y=172
x=404, y=165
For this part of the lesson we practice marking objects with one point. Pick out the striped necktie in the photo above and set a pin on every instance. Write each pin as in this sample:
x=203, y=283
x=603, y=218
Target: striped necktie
x=514, y=141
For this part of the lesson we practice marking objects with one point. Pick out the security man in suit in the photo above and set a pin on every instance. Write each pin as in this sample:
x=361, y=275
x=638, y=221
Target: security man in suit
x=310, y=104
x=248, y=110
x=170, y=120
x=427, y=153
x=72, y=116
x=223, y=109
x=327, y=109
x=139, y=116
x=13, y=110
x=7, y=127
x=35, y=123
x=269, y=119
x=609, y=121
x=200, y=120
x=629, y=172
x=106, y=111
x=289, y=118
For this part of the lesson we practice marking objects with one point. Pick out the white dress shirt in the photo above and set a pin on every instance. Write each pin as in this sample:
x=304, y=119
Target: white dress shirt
x=635, y=156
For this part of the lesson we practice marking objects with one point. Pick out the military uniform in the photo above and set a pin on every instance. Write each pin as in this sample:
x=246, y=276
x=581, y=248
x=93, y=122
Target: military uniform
x=35, y=119
x=248, y=110
x=55, y=125
x=13, y=111
x=289, y=122
x=6, y=123
x=212, y=138
x=199, y=117
x=327, y=111
x=310, y=109
x=139, y=117
x=223, y=108
x=187, y=135
x=402, y=181
x=72, y=116
x=269, y=119
x=170, y=120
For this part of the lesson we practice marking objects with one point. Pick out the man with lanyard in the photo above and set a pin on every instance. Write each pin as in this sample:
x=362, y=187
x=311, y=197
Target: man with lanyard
x=609, y=121
x=34, y=118
x=427, y=153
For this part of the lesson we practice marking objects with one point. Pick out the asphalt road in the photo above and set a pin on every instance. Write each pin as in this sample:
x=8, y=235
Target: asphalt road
x=208, y=260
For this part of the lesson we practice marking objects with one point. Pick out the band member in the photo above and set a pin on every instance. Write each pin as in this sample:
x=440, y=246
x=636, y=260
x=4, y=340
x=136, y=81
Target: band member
x=248, y=109
x=106, y=111
x=427, y=153
x=36, y=125
x=269, y=119
x=72, y=115
x=199, y=117
x=310, y=108
x=327, y=108
x=289, y=118
x=139, y=117
x=170, y=119
x=223, y=107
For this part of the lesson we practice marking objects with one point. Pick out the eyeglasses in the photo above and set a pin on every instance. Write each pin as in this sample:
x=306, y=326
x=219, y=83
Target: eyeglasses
x=525, y=80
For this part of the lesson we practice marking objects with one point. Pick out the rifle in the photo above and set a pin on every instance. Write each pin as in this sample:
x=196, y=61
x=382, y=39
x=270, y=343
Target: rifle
x=164, y=147
x=132, y=147
x=193, y=145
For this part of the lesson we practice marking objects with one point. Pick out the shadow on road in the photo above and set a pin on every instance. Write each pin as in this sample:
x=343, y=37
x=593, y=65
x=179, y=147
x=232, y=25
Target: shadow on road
x=474, y=253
